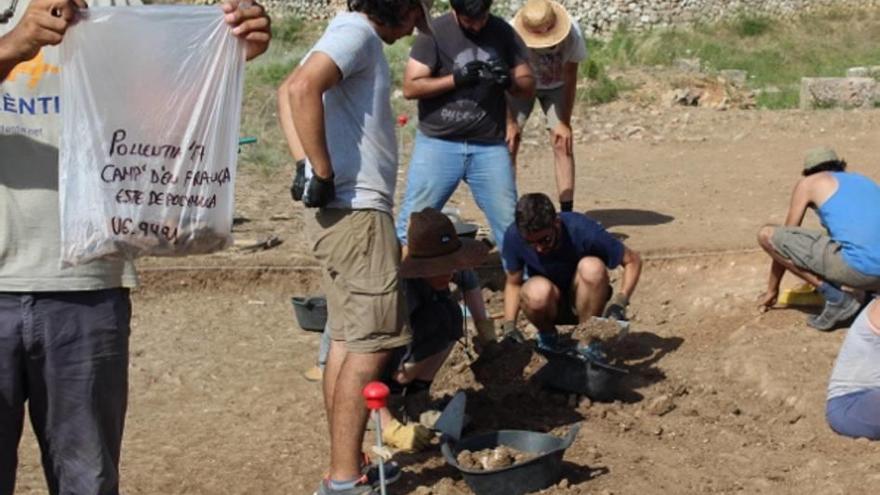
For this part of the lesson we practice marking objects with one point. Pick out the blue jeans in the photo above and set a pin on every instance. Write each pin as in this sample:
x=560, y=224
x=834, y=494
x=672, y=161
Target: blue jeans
x=855, y=415
x=66, y=355
x=438, y=165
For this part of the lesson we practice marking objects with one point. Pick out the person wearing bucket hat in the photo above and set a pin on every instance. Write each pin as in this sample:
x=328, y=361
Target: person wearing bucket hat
x=434, y=317
x=556, y=48
x=341, y=94
x=848, y=255
x=557, y=270
x=437, y=257
x=461, y=77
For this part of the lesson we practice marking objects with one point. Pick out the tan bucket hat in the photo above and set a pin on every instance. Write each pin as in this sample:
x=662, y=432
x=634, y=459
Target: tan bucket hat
x=435, y=249
x=542, y=23
x=818, y=156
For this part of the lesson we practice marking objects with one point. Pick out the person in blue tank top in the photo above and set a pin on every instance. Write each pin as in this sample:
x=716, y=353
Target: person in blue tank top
x=848, y=255
x=557, y=269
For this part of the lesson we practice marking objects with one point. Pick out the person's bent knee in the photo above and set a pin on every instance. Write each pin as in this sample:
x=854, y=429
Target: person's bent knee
x=538, y=293
x=765, y=234
x=592, y=270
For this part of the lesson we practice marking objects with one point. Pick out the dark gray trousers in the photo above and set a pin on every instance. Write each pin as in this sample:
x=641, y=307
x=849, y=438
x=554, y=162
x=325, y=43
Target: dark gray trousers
x=66, y=355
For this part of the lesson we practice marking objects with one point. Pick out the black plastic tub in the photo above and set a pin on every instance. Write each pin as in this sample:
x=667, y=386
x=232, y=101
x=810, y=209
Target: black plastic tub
x=530, y=476
x=310, y=312
x=574, y=373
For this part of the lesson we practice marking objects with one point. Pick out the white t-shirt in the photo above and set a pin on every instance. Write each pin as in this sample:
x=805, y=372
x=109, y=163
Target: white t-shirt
x=548, y=63
x=30, y=107
x=358, y=119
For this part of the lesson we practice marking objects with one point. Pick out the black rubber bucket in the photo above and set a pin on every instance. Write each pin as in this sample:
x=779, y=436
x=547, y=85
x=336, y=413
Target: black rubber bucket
x=310, y=312
x=574, y=373
x=530, y=476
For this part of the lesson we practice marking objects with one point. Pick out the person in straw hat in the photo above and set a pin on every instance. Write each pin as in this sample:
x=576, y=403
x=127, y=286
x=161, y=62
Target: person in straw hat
x=848, y=206
x=556, y=47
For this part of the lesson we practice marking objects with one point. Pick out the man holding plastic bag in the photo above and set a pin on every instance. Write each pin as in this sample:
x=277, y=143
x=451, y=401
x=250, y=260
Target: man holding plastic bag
x=63, y=331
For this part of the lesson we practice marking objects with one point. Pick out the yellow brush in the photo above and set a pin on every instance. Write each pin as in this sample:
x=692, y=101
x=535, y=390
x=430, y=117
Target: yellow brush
x=802, y=295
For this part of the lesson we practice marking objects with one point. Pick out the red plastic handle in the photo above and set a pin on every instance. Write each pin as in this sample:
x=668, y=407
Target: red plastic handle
x=376, y=395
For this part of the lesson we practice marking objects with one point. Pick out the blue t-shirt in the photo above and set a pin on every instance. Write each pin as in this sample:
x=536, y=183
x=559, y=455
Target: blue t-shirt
x=852, y=217
x=581, y=236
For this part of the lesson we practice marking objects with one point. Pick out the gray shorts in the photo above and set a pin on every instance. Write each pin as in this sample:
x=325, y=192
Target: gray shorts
x=551, y=101
x=814, y=251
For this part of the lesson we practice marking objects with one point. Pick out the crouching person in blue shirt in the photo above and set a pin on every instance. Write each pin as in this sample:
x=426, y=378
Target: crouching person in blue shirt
x=557, y=270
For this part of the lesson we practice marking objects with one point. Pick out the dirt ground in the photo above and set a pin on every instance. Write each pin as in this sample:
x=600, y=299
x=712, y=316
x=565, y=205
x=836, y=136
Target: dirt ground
x=720, y=399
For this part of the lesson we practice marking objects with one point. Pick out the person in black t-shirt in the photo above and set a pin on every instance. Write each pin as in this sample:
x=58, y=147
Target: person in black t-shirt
x=461, y=77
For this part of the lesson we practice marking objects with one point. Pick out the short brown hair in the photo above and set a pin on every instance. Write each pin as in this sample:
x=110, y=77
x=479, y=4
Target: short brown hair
x=534, y=212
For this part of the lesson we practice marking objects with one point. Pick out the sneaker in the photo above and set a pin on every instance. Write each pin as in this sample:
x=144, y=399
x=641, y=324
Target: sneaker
x=834, y=314
x=594, y=352
x=363, y=487
x=371, y=473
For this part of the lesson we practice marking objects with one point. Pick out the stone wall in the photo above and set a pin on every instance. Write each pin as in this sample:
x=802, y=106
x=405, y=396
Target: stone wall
x=599, y=17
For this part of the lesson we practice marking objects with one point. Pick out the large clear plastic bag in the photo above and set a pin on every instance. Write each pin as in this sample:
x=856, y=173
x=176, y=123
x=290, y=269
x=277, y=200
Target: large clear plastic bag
x=151, y=109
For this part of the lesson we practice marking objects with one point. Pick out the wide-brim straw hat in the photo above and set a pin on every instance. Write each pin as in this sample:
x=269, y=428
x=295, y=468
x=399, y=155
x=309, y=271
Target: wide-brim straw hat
x=434, y=248
x=542, y=23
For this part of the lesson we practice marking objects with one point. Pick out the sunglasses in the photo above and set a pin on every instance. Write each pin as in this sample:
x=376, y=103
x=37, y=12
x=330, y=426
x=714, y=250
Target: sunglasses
x=546, y=241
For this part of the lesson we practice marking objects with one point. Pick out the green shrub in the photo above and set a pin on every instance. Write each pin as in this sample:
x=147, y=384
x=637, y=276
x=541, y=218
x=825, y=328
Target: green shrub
x=777, y=100
x=747, y=26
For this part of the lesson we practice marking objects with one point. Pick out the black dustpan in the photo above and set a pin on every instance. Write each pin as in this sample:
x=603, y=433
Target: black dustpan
x=542, y=471
x=451, y=420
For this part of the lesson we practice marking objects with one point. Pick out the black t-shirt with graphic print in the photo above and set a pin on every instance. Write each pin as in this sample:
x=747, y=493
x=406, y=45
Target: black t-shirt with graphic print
x=477, y=113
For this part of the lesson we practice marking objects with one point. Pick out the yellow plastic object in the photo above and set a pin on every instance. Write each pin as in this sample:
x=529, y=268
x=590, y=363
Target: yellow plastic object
x=802, y=295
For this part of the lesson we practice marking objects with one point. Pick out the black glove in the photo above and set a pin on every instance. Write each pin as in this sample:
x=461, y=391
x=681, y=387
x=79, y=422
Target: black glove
x=298, y=187
x=500, y=72
x=616, y=307
x=468, y=75
x=320, y=191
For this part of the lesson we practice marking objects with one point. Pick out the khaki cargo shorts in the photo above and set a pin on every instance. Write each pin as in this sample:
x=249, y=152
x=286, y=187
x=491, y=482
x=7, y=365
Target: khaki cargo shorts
x=551, y=101
x=360, y=257
x=814, y=251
